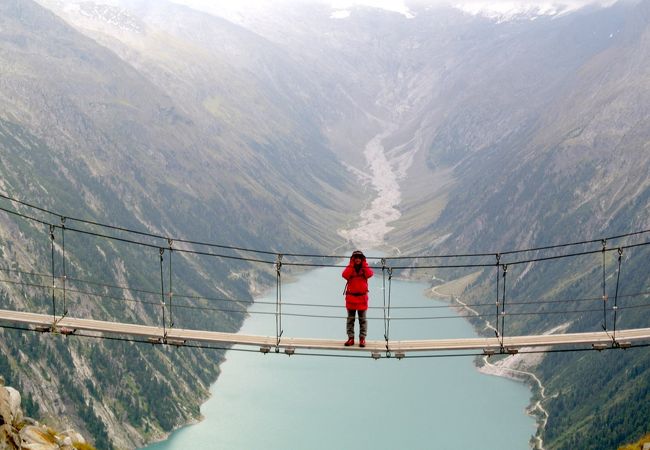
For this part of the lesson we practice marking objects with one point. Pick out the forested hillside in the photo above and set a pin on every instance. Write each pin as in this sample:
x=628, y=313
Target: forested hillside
x=87, y=135
x=569, y=167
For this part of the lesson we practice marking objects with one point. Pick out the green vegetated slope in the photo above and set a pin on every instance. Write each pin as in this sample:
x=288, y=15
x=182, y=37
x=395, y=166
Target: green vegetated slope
x=568, y=161
x=88, y=135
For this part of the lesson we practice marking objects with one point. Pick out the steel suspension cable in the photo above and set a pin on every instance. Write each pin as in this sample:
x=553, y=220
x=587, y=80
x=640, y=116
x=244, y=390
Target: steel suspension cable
x=320, y=316
x=284, y=303
x=340, y=355
x=240, y=258
x=244, y=249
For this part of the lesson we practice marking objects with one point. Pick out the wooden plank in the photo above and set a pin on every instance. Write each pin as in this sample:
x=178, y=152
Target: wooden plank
x=178, y=336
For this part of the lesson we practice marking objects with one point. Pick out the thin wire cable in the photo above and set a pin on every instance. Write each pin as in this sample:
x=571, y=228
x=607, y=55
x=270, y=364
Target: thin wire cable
x=341, y=354
x=295, y=264
x=321, y=316
x=285, y=303
x=244, y=249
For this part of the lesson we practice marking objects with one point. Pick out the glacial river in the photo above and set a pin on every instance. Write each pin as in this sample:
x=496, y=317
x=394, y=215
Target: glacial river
x=285, y=402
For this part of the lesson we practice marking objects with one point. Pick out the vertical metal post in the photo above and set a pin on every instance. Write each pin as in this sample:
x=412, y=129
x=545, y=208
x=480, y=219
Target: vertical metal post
x=618, y=276
x=604, y=324
x=390, y=278
x=386, y=270
x=503, y=304
x=171, y=293
x=65, y=276
x=162, y=292
x=383, y=288
x=496, y=322
x=53, y=277
x=278, y=302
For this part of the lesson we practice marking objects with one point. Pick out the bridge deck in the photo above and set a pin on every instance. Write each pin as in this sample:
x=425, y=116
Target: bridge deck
x=178, y=336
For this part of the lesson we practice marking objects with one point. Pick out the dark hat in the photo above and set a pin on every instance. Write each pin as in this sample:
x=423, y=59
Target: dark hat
x=358, y=254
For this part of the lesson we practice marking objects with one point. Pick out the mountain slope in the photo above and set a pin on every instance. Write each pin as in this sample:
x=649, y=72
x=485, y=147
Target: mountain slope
x=572, y=164
x=86, y=134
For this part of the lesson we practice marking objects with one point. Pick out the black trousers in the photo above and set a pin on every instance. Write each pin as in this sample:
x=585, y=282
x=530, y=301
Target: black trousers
x=363, y=323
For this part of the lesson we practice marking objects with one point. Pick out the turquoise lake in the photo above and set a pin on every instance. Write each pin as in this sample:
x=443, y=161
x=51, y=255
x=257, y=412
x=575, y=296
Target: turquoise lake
x=276, y=401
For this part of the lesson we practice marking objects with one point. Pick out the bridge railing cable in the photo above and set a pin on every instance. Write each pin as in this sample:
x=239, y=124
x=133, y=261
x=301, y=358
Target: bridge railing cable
x=313, y=264
x=340, y=317
x=305, y=255
x=136, y=290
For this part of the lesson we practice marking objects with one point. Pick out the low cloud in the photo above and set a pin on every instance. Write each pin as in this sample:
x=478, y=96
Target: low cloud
x=342, y=9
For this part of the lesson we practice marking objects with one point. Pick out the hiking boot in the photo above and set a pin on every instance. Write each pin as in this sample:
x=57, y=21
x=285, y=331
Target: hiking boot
x=362, y=341
x=349, y=342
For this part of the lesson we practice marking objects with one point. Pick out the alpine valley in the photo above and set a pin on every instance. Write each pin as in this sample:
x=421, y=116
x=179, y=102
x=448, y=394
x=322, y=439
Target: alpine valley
x=258, y=126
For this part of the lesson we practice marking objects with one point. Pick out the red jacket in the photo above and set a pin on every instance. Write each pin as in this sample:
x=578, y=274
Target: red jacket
x=356, y=293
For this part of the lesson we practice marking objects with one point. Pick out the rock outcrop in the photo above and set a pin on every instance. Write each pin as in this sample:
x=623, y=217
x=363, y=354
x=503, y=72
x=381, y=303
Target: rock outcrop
x=19, y=432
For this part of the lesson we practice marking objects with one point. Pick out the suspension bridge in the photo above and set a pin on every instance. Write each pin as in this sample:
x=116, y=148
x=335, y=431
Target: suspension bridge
x=61, y=287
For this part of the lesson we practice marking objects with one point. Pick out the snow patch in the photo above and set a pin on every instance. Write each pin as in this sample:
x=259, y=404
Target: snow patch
x=340, y=14
x=397, y=6
x=506, y=11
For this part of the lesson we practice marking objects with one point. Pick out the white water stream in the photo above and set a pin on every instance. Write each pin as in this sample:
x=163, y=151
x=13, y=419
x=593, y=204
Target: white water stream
x=373, y=226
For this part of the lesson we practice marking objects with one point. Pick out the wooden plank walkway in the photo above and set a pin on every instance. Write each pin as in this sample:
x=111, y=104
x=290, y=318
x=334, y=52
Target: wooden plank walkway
x=179, y=336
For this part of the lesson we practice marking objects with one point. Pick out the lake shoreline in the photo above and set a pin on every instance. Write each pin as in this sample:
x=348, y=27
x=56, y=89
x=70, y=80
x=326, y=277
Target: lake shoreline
x=517, y=367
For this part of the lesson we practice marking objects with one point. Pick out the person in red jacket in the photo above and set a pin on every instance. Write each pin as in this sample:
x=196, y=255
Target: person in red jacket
x=356, y=295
